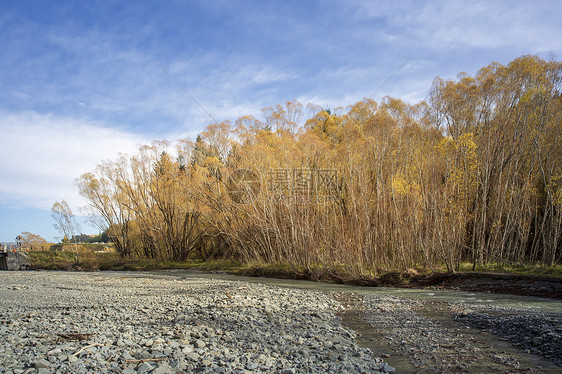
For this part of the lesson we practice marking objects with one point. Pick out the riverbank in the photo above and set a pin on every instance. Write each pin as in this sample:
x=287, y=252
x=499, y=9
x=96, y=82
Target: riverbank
x=526, y=281
x=448, y=337
x=176, y=321
x=109, y=322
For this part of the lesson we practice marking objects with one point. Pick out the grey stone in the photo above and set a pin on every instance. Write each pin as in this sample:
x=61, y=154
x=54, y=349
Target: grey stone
x=389, y=369
x=163, y=368
x=187, y=349
x=143, y=368
x=54, y=352
x=192, y=356
x=251, y=365
x=158, y=355
x=142, y=355
x=42, y=364
x=189, y=322
x=200, y=343
x=120, y=343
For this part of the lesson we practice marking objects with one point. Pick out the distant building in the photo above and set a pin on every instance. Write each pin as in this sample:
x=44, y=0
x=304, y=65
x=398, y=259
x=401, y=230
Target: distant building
x=8, y=247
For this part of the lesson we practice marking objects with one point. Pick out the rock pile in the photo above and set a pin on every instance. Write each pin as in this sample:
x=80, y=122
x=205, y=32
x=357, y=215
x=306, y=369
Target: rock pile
x=118, y=322
x=537, y=333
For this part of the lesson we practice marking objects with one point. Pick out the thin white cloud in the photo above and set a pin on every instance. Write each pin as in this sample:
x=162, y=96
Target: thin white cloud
x=21, y=95
x=43, y=154
x=453, y=24
x=488, y=25
x=332, y=54
x=331, y=101
x=126, y=84
x=232, y=110
x=267, y=75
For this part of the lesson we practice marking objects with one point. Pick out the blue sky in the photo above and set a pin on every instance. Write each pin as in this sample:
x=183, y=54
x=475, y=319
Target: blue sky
x=79, y=83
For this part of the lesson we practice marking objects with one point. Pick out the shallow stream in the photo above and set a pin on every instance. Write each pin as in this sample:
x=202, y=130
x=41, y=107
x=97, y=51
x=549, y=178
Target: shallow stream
x=497, y=354
x=482, y=298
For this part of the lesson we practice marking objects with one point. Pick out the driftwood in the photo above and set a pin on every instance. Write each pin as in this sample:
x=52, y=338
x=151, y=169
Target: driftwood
x=147, y=359
x=86, y=347
x=74, y=336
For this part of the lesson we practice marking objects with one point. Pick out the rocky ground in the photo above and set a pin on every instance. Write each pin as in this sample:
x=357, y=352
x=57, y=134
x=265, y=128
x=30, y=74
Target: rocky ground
x=64, y=322
x=538, y=333
x=116, y=322
x=440, y=338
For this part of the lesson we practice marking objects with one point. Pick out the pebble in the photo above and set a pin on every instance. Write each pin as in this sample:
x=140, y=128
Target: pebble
x=537, y=332
x=429, y=343
x=182, y=324
x=42, y=364
x=163, y=369
x=200, y=343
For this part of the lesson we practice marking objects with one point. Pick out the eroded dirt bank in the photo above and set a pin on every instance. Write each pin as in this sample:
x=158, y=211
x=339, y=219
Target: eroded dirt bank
x=516, y=284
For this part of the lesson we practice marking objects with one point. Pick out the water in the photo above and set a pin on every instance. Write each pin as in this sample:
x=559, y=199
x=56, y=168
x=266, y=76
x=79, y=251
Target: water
x=478, y=298
x=369, y=337
x=435, y=307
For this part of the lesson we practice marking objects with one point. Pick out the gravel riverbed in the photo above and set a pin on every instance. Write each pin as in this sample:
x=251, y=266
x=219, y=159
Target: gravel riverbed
x=115, y=322
x=539, y=333
x=64, y=322
x=467, y=338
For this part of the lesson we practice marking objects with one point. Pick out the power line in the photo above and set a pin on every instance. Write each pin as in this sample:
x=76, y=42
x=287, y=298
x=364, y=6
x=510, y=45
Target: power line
x=391, y=75
x=184, y=90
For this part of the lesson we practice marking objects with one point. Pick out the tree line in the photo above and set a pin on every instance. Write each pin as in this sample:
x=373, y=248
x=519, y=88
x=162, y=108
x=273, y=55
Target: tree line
x=473, y=173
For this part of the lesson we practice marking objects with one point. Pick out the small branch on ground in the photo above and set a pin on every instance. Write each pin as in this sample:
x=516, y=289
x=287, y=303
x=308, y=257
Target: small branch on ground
x=74, y=336
x=147, y=359
x=86, y=347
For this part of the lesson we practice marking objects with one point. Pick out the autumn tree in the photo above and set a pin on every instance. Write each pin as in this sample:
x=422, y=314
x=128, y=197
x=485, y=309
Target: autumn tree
x=65, y=223
x=513, y=114
x=107, y=206
x=32, y=241
x=472, y=174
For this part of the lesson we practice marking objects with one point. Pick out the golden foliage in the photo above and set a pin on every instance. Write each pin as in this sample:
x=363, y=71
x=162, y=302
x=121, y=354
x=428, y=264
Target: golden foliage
x=473, y=174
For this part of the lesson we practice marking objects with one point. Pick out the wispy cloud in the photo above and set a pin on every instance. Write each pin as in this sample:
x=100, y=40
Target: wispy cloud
x=43, y=154
x=266, y=75
x=79, y=82
x=454, y=24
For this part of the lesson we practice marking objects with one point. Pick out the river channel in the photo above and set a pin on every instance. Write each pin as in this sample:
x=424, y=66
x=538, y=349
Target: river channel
x=485, y=352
